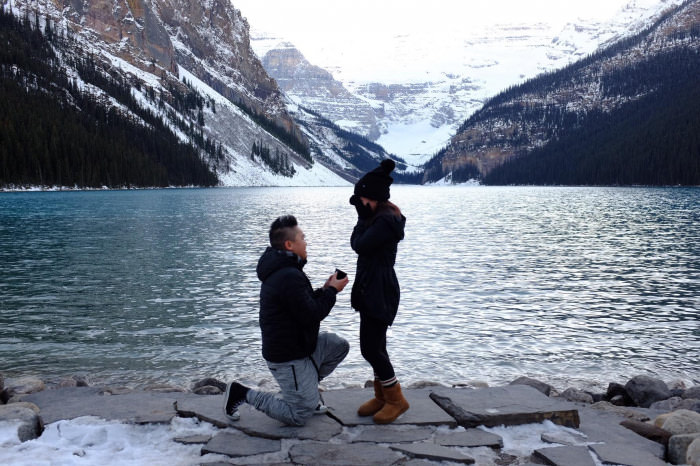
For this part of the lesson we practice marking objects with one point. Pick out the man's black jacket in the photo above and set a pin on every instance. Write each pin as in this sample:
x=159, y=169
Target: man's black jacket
x=290, y=310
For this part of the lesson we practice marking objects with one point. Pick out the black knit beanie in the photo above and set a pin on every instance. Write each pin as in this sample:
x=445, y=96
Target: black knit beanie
x=375, y=184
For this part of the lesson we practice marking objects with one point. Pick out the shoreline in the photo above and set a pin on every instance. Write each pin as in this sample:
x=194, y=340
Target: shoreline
x=29, y=384
x=595, y=387
x=523, y=422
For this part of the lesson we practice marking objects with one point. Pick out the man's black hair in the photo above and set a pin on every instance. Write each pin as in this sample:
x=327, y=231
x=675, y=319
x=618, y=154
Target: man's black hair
x=282, y=229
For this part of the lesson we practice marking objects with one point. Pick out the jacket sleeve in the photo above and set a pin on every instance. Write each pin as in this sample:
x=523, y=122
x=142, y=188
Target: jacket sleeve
x=367, y=239
x=307, y=305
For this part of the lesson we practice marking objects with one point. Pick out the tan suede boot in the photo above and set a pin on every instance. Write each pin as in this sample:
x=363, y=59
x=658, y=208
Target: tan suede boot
x=394, y=405
x=370, y=407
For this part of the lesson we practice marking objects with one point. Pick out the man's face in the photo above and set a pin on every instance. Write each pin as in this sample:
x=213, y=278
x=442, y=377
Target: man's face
x=298, y=244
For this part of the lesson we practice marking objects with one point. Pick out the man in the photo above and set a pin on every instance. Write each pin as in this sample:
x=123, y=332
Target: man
x=290, y=316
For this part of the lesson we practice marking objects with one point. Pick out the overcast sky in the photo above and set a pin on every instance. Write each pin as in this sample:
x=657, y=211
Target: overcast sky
x=302, y=18
x=348, y=32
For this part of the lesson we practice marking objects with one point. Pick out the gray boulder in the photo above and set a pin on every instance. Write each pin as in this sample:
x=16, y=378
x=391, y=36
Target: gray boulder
x=678, y=447
x=682, y=421
x=675, y=403
x=645, y=390
x=29, y=423
x=209, y=382
x=24, y=386
x=692, y=456
x=207, y=390
x=536, y=384
x=573, y=394
x=617, y=395
x=692, y=392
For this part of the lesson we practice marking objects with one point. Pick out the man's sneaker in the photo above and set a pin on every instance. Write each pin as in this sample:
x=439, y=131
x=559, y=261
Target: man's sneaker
x=321, y=408
x=235, y=396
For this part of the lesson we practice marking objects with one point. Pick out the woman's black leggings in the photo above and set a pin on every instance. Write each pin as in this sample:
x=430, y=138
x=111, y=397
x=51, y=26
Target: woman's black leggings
x=373, y=346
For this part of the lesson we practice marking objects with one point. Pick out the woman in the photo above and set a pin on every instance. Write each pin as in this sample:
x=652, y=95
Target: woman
x=375, y=293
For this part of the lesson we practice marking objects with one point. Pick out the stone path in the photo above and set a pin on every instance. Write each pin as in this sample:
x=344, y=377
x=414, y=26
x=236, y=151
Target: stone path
x=440, y=426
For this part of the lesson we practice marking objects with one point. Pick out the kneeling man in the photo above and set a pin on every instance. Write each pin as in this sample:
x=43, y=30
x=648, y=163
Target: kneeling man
x=291, y=311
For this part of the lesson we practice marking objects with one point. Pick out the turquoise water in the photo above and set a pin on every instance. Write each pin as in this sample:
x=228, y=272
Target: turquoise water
x=569, y=285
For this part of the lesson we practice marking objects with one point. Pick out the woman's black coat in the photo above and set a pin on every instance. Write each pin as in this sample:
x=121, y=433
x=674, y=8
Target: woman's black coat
x=376, y=291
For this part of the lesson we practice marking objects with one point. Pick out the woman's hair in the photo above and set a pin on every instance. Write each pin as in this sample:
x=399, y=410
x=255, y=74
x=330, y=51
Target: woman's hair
x=387, y=208
x=282, y=229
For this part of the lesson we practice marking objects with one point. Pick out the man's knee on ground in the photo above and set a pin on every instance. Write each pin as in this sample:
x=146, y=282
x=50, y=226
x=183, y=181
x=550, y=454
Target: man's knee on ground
x=302, y=412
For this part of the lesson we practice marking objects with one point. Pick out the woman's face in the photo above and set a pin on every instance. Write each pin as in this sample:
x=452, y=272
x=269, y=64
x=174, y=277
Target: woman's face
x=371, y=202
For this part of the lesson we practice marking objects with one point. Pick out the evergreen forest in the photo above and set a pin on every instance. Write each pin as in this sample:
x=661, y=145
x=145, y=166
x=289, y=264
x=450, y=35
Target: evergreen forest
x=54, y=134
x=654, y=140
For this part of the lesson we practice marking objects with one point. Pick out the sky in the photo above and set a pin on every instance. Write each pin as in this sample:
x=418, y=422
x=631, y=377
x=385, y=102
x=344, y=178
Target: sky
x=348, y=34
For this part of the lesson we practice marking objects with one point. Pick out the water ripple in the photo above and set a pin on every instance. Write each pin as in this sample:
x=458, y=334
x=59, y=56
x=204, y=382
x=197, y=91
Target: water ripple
x=567, y=284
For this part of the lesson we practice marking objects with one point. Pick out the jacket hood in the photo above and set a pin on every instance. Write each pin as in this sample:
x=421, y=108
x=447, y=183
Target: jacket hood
x=396, y=224
x=273, y=260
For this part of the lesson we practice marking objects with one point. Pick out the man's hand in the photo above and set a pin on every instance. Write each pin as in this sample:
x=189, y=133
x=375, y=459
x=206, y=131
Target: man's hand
x=335, y=283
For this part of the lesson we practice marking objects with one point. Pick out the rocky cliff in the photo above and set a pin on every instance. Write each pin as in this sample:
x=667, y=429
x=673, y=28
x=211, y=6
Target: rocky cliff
x=191, y=64
x=314, y=88
x=128, y=28
x=211, y=40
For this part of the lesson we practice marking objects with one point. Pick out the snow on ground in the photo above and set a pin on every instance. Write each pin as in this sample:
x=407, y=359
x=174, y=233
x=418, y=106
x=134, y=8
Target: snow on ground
x=92, y=441
x=248, y=174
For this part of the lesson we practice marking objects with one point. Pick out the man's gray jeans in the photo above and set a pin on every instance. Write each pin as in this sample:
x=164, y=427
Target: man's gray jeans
x=298, y=380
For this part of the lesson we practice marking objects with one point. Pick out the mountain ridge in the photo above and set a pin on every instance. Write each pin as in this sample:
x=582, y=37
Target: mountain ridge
x=169, y=50
x=528, y=117
x=415, y=117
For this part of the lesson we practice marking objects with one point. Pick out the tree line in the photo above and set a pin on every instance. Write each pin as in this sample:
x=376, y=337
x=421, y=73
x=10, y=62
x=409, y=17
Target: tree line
x=652, y=141
x=278, y=162
x=54, y=134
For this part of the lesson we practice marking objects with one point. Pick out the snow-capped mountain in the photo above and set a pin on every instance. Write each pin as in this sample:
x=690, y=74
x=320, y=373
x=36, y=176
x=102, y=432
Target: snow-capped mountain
x=190, y=64
x=646, y=83
x=413, y=102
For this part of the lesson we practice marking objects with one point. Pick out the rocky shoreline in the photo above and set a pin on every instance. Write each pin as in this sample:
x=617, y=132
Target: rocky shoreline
x=663, y=418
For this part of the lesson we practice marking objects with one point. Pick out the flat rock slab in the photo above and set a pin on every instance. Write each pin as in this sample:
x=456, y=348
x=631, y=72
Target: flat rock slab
x=509, y=405
x=237, y=444
x=73, y=402
x=209, y=408
x=469, y=438
x=343, y=455
x=389, y=434
x=565, y=438
x=430, y=451
x=603, y=427
x=343, y=406
x=193, y=439
x=253, y=422
x=566, y=456
x=625, y=455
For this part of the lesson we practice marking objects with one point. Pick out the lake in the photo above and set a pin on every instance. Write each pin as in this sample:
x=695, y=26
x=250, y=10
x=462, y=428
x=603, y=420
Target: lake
x=573, y=286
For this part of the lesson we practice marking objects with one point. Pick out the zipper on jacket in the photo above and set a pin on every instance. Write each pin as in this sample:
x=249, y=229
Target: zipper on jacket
x=294, y=373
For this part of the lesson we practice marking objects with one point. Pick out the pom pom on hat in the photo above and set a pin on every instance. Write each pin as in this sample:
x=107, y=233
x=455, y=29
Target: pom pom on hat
x=375, y=184
x=388, y=165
